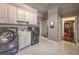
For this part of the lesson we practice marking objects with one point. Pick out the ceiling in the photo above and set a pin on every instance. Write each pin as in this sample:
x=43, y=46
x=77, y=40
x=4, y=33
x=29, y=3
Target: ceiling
x=40, y=7
x=65, y=9
x=68, y=9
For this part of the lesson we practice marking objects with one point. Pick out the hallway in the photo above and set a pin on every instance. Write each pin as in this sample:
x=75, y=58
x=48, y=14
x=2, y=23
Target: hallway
x=48, y=47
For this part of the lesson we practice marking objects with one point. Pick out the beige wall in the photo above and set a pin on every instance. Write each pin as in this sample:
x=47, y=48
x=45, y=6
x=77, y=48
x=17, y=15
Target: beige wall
x=53, y=16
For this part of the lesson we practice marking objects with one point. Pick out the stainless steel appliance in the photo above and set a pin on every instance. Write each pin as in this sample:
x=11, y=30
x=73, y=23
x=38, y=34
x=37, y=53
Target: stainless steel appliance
x=8, y=40
x=34, y=34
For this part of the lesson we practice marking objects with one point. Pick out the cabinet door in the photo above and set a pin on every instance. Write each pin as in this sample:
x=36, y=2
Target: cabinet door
x=28, y=38
x=24, y=38
x=20, y=14
x=21, y=39
x=21, y=42
x=34, y=18
x=11, y=14
x=3, y=13
x=31, y=17
x=27, y=16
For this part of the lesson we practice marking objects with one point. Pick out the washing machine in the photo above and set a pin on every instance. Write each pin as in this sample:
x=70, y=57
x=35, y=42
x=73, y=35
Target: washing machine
x=34, y=34
x=8, y=40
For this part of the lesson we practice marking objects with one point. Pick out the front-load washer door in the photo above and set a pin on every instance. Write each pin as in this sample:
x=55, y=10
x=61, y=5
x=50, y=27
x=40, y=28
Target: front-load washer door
x=6, y=36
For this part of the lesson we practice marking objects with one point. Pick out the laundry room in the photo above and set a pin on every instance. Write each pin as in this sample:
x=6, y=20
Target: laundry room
x=39, y=28
x=18, y=28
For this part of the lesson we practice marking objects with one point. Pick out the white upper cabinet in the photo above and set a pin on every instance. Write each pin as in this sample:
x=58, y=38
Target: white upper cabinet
x=34, y=19
x=3, y=13
x=20, y=14
x=31, y=17
x=11, y=13
x=7, y=13
x=27, y=16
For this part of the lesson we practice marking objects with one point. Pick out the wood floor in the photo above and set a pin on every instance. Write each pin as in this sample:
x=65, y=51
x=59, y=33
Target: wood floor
x=69, y=38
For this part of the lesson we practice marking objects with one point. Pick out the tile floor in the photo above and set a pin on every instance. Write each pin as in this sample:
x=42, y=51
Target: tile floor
x=48, y=47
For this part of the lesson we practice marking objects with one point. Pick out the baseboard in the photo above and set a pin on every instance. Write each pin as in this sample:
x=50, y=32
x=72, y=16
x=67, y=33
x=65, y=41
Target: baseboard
x=77, y=44
x=24, y=47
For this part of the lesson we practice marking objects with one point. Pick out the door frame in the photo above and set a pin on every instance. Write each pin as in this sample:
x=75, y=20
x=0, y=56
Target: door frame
x=76, y=18
x=75, y=31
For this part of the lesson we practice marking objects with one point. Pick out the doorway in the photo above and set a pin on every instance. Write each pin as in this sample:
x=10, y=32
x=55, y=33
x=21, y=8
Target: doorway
x=68, y=29
x=45, y=28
